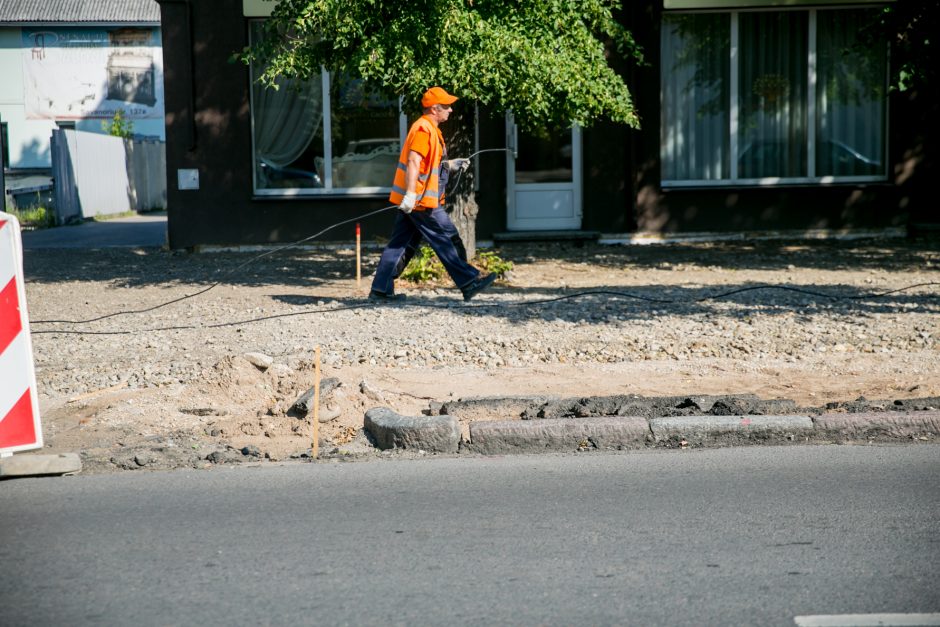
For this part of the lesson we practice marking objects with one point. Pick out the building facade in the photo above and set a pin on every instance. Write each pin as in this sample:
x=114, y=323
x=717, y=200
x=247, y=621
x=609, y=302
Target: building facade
x=73, y=65
x=757, y=116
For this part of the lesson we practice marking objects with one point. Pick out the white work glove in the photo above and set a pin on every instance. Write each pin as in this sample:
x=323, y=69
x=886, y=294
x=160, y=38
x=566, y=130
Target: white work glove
x=458, y=165
x=408, y=202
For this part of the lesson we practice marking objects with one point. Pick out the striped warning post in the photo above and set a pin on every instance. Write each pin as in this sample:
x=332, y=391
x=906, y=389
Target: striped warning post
x=19, y=406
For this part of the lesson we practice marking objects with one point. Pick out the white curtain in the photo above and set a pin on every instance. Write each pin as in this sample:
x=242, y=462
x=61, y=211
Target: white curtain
x=695, y=72
x=850, y=97
x=772, y=134
x=286, y=119
x=772, y=94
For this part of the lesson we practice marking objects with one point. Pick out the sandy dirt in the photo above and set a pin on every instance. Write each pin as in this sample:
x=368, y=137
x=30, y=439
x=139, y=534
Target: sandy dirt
x=173, y=387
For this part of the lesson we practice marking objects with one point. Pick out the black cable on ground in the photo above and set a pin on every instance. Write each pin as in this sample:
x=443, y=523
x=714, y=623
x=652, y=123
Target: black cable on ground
x=249, y=261
x=219, y=281
x=800, y=290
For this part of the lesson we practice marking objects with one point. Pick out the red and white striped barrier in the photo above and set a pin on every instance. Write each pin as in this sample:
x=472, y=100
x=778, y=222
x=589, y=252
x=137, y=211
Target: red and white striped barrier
x=19, y=404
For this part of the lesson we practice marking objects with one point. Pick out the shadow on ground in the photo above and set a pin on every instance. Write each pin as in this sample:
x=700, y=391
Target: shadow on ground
x=606, y=304
x=312, y=271
x=891, y=255
x=149, y=266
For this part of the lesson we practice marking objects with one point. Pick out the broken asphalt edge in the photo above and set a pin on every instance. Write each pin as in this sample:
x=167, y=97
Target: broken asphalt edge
x=442, y=433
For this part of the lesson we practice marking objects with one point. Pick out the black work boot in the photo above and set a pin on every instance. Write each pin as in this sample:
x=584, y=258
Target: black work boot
x=478, y=285
x=386, y=298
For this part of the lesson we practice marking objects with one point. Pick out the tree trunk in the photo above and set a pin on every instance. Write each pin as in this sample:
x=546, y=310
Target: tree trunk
x=464, y=217
x=462, y=203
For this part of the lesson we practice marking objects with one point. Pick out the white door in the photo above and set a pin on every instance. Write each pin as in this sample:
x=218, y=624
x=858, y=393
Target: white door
x=543, y=175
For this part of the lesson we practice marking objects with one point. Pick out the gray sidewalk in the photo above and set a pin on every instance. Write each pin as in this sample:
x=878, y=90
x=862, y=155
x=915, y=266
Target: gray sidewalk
x=146, y=230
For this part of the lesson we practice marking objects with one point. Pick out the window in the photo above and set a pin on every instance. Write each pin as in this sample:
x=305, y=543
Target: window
x=762, y=98
x=305, y=144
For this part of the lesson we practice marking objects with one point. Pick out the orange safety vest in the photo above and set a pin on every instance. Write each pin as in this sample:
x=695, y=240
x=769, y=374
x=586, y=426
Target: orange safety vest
x=429, y=196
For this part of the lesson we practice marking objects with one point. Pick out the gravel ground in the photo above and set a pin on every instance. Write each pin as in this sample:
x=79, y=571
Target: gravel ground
x=178, y=372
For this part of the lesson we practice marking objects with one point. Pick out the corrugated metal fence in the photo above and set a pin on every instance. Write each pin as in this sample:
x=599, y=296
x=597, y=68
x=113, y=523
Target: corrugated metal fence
x=146, y=171
x=99, y=174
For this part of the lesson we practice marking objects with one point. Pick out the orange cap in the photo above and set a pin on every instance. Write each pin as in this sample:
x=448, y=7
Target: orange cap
x=436, y=95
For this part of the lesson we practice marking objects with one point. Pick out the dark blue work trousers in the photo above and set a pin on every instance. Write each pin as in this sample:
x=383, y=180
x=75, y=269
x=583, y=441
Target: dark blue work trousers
x=433, y=225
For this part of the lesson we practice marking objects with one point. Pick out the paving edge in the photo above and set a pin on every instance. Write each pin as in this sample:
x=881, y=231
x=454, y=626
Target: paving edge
x=27, y=465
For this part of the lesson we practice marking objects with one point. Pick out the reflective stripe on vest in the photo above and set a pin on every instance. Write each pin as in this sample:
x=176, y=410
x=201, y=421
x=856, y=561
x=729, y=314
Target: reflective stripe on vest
x=427, y=188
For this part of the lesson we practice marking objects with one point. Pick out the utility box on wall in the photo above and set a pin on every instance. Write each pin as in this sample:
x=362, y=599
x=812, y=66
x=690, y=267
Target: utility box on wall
x=187, y=179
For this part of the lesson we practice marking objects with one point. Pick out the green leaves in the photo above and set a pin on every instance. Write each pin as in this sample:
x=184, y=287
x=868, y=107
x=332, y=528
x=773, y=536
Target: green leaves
x=424, y=267
x=547, y=60
x=911, y=27
x=119, y=125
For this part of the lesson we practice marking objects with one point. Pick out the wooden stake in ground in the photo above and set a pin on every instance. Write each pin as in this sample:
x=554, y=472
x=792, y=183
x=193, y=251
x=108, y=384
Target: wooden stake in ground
x=358, y=257
x=316, y=404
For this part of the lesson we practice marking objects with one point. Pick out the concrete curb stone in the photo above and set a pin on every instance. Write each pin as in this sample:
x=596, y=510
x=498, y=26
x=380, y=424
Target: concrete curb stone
x=489, y=435
x=437, y=434
x=30, y=465
x=557, y=434
x=895, y=424
x=703, y=429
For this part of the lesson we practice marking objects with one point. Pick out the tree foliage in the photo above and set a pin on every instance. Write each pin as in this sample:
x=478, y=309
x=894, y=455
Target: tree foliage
x=547, y=60
x=913, y=27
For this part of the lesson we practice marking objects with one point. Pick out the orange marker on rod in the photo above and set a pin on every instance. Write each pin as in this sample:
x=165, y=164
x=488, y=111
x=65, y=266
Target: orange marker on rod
x=358, y=257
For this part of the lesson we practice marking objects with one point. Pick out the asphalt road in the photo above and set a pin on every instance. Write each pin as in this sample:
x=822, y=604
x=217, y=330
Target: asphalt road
x=148, y=229
x=743, y=536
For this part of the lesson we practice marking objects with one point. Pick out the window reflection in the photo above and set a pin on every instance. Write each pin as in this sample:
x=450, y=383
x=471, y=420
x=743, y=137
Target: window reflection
x=290, y=133
x=773, y=131
x=364, y=126
x=544, y=156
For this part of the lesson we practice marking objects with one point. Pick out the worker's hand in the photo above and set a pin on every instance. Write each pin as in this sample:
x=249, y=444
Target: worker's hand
x=458, y=165
x=408, y=202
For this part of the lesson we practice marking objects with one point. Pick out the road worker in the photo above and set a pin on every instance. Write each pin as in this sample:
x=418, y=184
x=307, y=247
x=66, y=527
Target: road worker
x=418, y=190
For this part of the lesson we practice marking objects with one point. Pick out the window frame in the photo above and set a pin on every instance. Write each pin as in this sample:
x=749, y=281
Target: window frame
x=327, y=189
x=734, y=105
